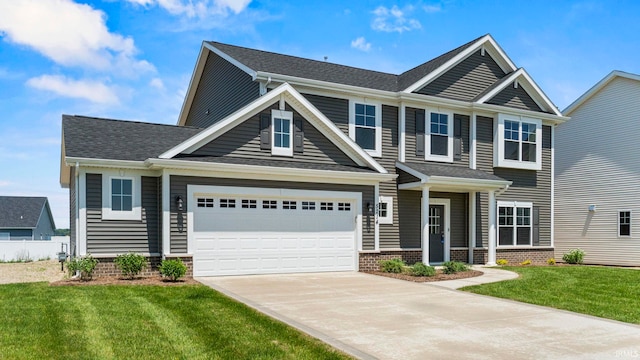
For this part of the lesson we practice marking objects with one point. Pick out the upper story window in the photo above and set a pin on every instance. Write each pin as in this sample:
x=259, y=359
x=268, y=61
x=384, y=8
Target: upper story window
x=439, y=139
x=120, y=197
x=365, y=126
x=282, y=123
x=518, y=142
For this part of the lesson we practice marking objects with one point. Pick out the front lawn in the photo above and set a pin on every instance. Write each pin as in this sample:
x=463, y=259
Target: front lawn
x=607, y=292
x=38, y=321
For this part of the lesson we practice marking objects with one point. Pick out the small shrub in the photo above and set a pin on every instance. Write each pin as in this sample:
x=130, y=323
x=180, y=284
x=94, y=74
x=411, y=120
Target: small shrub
x=173, y=269
x=420, y=269
x=130, y=264
x=395, y=266
x=83, y=265
x=551, y=261
x=502, y=262
x=526, y=262
x=452, y=267
x=574, y=256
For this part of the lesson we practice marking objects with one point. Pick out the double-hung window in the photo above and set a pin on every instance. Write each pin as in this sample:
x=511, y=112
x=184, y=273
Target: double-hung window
x=624, y=223
x=515, y=224
x=282, y=122
x=439, y=139
x=365, y=126
x=518, y=142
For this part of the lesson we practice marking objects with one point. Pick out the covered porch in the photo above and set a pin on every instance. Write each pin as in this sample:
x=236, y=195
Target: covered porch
x=449, y=209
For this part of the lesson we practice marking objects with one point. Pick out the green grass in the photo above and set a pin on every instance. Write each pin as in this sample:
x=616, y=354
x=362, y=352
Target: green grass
x=607, y=292
x=39, y=321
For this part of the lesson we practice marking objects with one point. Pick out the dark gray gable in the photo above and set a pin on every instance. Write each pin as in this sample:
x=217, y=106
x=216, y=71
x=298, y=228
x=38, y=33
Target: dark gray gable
x=467, y=79
x=96, y=138
x=244, y=141
x=20, y=211
x=515, y=98
x=222, y=89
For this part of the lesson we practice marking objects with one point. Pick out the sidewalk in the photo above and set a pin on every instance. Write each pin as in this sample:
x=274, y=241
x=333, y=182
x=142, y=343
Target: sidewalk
x=491, y=274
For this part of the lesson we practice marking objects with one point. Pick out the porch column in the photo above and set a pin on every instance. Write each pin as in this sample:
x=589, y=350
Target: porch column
x=491, y=260
x=425, y=225
x=166, y=213
x=472, y=224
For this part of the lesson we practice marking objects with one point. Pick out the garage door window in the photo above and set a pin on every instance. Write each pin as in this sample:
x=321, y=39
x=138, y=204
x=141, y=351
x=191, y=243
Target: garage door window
x=326, y=206
x=227, y=203
x=205, y=202
x=308, y=205
x=249, y=204
x=344, y=206
x=289, y=205
x=269, y=204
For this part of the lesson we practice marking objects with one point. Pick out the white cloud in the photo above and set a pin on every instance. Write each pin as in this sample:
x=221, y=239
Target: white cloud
x=198, y=8
x=394, y=19
x=91, y=90
x=157, y=83
x=70, y=34
x=361, y=44
x=432, y=8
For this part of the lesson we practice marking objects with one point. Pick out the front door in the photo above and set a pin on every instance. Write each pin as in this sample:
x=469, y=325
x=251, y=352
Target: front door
x=436, y=233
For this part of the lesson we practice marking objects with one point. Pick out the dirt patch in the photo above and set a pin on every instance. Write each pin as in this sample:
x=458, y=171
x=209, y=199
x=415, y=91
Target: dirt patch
x=117, y=280
x=439, y=276
x=46, y=270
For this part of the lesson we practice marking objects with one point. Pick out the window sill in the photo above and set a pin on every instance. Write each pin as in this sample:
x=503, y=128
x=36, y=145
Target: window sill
x=437, y=158
x=521, y=247
x=135, y=215
x=523, y=165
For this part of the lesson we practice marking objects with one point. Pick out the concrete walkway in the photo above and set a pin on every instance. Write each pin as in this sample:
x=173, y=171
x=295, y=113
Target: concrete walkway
x=490, y=275
x=371, y=316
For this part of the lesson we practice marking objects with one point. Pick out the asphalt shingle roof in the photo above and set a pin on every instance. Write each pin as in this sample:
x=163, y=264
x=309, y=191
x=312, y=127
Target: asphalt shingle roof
x=431, y=169
x=276, y=163
x=20, y=211
x=259, y=60
x=96, y=138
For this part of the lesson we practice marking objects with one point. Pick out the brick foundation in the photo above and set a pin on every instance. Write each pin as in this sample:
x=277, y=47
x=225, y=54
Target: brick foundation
x=461, y=255
x=106, y=266
x=370, y=261
x=516, y=256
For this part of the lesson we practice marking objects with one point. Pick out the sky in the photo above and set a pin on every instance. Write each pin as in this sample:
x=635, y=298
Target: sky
x=133, y=59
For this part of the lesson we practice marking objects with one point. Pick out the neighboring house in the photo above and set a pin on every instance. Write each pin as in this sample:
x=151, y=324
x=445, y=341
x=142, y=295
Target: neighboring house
x=25, y=218
x=597, y=186
x=284, y=164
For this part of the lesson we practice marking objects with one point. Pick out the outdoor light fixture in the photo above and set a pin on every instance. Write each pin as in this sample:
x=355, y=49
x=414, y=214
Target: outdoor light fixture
x=369, y=208
x=179, y=202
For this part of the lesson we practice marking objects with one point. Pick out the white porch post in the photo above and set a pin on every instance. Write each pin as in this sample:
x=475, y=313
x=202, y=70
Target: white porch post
x=166, y=213
x=491, y=260
x=425, y=225
x=472, y=224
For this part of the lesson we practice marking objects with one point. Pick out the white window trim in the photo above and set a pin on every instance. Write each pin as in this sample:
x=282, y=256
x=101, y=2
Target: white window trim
x=352, y=124
x=514, y=205
x=388, y=200
x=427, y=140
x=286, y=115
x=630, y=223
x=5, y=236
x=498, y=144
x=136, y=209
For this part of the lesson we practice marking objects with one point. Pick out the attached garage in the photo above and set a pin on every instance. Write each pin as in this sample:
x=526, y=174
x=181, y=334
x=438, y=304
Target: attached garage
x=241, y=231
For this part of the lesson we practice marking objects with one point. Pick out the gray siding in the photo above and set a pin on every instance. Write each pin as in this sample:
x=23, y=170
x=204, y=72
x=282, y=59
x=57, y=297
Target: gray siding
x=121, y=236
x=179, y=218
x=44, y=230
x=410, y=138
x=390, y=233
x=244, y=141
x=223, y=89
x=72, y=212
x=337, y=110
x=19, y=234
x=528, y=185
x=515, y=98
x=466, y=80
x=409, y=219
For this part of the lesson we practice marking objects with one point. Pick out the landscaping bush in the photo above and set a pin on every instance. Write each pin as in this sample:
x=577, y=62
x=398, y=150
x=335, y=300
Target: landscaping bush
x=130, y=264
x=574, y=256
x=420, y=269
x=395, y=266
x=551, y=261
x=502, y=262
x=173, y=269
x=526, y=262
x=452, y=267
x=83, y=265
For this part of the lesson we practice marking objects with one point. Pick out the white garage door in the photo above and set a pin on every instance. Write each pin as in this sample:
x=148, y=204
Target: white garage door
x=264, y=231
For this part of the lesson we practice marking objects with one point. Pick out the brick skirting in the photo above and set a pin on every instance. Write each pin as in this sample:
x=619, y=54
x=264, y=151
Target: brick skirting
x=516, y=256
x=370, y=261
x=106, y=266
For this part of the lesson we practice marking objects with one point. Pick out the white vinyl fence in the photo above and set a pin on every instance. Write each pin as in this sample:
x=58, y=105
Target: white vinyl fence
x=12, y=250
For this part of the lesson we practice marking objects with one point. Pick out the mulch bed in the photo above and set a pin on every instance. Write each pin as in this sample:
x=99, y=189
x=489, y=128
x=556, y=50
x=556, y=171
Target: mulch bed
x=439, y=276
x=118, y=280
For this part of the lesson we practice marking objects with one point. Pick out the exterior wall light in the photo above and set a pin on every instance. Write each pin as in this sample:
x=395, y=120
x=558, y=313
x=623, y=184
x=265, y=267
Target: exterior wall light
x=179, y=202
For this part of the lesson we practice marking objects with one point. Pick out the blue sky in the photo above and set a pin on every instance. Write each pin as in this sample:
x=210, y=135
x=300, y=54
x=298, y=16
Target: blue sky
x=132, y=59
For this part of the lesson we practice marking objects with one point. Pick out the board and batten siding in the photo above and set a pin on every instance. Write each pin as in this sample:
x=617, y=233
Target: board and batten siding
x=243, y=141
x=515, y=98
x=528, y=185
x=179, y=184
x=597, y=164
x=223, y=89
x=122, y=236
x=466, y=80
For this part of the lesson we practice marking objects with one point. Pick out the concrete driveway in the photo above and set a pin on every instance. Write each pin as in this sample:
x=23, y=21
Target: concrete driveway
x=375, y=317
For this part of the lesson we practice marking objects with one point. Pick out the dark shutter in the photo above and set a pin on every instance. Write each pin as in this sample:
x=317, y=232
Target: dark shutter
x=420, y=132
x=298, y=135
x=536, y=225
x=265, y=132
x=457, y=138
